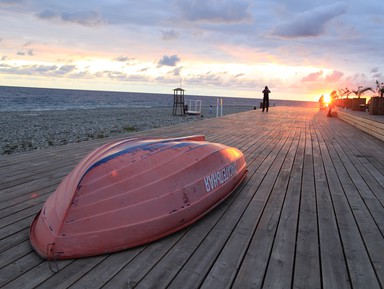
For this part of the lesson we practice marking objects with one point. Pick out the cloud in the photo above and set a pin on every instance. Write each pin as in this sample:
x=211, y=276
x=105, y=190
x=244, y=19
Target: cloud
x=66, y=69
x=222, y=11
x=358, y=79
x=222, y=80
x=123, y=59
x=120, y=76
x=41, y=70
x=334, y=77
x=309, y=23
x=169, y=60
x=30, y=52
x=87, y=18
x=177, y=71
x=169, y=35
x=376, y=73
x=312, y=76
x=11, y=2
x=375, y=69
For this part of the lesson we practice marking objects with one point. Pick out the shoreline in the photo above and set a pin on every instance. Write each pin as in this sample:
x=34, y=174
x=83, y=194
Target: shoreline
x=23, y=131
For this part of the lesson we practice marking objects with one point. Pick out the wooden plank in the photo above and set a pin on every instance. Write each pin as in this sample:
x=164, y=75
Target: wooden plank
x=363, y=203
x=20, y=192
x=14, y=253
x=359, y=265
x=307, y=261
x=34, y=198
x=67, y=275
x=11, y=240
x=128, y=271
x=12, y=232
x=333, y=264
x=252, y=269
x=87, y=267
x=281, y=264
x=18, y=268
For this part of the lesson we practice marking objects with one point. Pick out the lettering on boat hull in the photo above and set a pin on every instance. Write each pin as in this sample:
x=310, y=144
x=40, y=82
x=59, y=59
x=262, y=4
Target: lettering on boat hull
x=220, y=177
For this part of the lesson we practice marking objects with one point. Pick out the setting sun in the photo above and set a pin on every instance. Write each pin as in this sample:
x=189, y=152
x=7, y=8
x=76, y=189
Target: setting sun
x=327, y=98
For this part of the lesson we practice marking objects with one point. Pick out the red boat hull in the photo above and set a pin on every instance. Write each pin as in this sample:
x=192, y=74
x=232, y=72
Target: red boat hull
x=132, y=192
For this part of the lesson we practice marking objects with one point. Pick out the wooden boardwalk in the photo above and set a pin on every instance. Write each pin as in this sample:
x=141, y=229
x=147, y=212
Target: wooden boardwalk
x=308, y=215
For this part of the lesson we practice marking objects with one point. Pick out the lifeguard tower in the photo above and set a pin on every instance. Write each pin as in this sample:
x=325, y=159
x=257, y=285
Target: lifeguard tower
x=178, y=101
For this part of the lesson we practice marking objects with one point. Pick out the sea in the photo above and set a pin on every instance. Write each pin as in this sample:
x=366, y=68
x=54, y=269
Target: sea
x=40, y=99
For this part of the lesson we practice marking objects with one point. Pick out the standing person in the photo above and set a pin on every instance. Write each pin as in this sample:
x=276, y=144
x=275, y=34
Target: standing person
x=266, y=93
x=321, y=101
x=330, y=104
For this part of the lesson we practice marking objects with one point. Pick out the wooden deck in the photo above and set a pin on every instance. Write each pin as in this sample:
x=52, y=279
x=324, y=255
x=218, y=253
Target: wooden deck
x=308, y=215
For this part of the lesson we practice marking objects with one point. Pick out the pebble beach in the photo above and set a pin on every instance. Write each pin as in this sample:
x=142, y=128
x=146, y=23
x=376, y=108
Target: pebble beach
x=31, y=130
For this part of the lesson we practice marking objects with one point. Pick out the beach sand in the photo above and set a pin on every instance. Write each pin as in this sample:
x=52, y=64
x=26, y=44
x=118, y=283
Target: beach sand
x=31, y=130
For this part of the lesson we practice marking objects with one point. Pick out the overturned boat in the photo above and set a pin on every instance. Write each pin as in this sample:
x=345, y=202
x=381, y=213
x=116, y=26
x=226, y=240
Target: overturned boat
x=134, y=191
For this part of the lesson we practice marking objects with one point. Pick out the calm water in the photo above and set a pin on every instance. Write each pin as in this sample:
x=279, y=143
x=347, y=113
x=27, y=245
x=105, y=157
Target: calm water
x=26, y=99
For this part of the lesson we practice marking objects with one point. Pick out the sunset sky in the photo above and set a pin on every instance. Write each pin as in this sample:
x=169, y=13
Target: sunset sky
x=299, y=48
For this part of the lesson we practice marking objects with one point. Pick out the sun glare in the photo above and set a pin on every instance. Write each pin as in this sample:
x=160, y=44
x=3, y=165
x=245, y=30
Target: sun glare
x=327, y=98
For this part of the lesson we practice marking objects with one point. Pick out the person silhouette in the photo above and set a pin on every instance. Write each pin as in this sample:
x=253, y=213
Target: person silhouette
x=266, y=93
